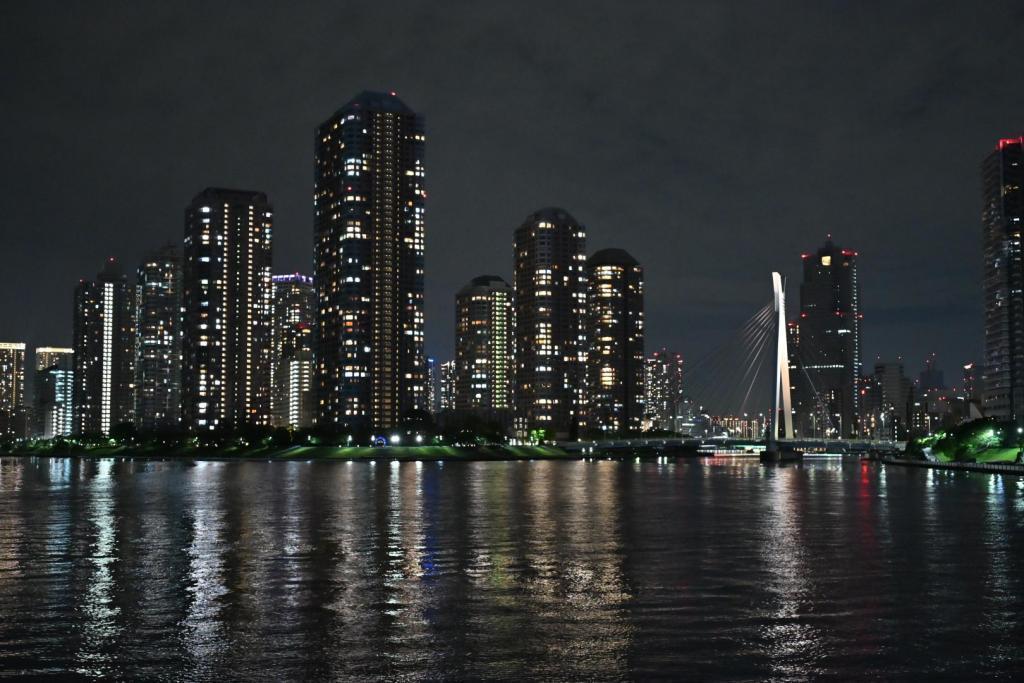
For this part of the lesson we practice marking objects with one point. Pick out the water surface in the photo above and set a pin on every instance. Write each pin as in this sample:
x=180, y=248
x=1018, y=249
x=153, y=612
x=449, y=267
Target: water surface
x=568, y=570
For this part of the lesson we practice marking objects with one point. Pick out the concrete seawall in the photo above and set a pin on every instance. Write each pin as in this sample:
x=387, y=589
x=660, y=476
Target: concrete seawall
x=991, y=467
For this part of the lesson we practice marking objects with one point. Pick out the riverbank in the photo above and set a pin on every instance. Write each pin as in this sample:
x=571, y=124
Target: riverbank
x=425, y=453
x=990, y=467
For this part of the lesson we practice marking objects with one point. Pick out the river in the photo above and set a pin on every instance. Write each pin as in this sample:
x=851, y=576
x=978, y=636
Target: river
x=606, y=570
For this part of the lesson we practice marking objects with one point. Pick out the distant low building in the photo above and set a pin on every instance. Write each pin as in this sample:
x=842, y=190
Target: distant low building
x=887, y=402
x=447, y=386
x=433, y=386
x=54, y=392
x=663, y=385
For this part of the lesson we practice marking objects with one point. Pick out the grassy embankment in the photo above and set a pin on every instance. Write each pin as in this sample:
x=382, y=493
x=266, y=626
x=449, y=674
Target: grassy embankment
x=299, y=452
x=978, y=441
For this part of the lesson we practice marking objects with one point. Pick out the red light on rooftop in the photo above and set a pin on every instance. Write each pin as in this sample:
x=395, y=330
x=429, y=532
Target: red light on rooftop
x=849, y=252
x=1006, y=142
x=805, y=256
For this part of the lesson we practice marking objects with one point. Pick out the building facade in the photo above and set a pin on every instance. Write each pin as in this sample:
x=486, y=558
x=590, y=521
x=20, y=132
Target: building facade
x=484, y=345
x=447, y=392
x=829, y=358
x=226, y=293
x=104, y=352
x=615, y=335
x=292, y=396
x=433, y=386
x=550, y=313
x=54, y=391
x=369, y=199
x=663, y=391
x=13, y=414
x=158, y=341
x=1002, y=218
x=887, y=402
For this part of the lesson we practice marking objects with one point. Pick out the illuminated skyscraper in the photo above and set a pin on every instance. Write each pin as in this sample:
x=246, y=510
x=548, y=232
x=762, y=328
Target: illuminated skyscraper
x=448, y=385
x=292, y=368
x=104, y=352
x=12, y=390
x=226, y=324
x=1002, y=218
x=969, y=380
x=663, y=390
x=888, y=412
x=829, y=351
x=54, y=391
x=158, y=341
x=368, y=202
x=483, y=346
x=615, y=334
x=49, y=356
x=433, y=386
x=550, y=305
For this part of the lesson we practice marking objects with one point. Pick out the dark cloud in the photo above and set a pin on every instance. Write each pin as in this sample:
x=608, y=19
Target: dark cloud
x=714, y=142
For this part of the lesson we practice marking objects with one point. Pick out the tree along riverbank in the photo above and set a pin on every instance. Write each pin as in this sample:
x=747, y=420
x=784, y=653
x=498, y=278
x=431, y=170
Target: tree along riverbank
x=270, y=452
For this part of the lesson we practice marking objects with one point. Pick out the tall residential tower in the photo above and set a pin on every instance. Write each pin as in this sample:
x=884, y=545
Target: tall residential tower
x=291, y=363
x=615, y=334
x=550, y=306
x=12, y=390
x=368, y=203
x=829, y=353
x=483, y=346
x=1002, y=220
x=226, y=324
x=158, y=341
x=104, y=352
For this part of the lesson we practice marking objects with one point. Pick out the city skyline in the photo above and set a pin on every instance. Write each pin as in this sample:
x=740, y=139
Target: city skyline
x=690, y=301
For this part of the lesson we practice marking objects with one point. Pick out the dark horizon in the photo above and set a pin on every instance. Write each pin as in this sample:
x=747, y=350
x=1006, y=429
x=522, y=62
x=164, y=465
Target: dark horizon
x=714, y=145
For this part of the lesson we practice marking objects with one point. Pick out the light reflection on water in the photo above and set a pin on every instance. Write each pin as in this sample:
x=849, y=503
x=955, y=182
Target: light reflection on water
x=569, y=570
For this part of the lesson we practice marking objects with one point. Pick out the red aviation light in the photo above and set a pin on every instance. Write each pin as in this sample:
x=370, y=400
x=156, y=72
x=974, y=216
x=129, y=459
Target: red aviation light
x=849, y=252
x=805, y=256
x=1006, y=142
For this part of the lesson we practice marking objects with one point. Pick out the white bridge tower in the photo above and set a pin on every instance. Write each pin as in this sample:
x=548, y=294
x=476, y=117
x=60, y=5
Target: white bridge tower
x=781, y=370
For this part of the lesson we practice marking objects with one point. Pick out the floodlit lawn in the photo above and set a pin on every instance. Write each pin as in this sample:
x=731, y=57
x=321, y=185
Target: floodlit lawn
x=998, y=455
x=426, y=452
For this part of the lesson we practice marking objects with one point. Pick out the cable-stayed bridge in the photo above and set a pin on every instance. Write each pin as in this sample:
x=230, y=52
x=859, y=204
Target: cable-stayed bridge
x=748, y=375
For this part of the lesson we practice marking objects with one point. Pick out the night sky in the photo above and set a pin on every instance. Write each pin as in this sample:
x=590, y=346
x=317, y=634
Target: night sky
x=714, y=144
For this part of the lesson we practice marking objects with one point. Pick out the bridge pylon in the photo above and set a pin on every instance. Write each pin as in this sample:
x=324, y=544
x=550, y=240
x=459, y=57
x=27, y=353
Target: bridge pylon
x=782, y=400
